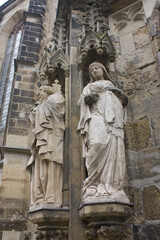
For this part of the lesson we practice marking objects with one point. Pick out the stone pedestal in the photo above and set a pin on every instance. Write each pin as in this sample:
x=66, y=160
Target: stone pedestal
x=52, y=223
x=106, y=220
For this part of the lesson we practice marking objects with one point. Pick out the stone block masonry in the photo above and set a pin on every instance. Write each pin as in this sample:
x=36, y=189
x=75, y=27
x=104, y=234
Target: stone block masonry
x=23, y=95
x=33, y=31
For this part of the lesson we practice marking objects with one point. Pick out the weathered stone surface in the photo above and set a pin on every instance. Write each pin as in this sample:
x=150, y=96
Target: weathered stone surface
x=135, y=81
x=141, y=37
x=156, y=128
x=52, y=234
x=15, y=213
x=127, y=43
x=11, y=235
x=153, y=232
x=13, y=140
x=16, y=225
x=50, y=217
x=151, y=198
x=138, y=135
x=112, y=232
x=135, y=196
x=139, y=232
x=143, y=167
x=131, y=82
x=150, y=76
x=144, y=57
x=2, y=212
x=146, y=104
x=137, y=59
x=75, y=160
x=105, y=212
x=146, y=232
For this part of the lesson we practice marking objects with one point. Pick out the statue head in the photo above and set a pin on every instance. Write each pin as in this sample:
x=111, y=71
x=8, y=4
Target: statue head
x=97, y=71
x=44, y=92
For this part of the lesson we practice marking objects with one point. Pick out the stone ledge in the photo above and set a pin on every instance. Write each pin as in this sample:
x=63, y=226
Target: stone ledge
x=106, y=213
x=7, y=224
x=23, y=62
x=49, y=218
x=31, y=14
x=14, y=149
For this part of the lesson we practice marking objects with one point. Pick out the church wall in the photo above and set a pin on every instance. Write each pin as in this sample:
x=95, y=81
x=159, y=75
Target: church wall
x=137, y=71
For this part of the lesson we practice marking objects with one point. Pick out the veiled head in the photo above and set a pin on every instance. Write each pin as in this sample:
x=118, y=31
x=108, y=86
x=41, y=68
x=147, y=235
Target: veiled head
x=97, y=71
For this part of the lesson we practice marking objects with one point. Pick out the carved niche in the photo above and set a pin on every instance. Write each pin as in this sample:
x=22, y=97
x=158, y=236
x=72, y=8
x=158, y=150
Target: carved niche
x=55, y=62
x=94, y=36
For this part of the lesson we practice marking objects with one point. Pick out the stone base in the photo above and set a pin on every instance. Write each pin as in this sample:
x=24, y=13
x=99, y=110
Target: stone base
x=52, y=223
x=50, y=218
x=111, y=212
x=106, y=220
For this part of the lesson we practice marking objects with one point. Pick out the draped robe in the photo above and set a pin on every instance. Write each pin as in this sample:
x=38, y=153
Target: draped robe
x=102, y=128
x=46, y=160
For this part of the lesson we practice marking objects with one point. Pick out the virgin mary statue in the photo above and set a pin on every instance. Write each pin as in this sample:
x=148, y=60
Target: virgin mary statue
x=102, y=119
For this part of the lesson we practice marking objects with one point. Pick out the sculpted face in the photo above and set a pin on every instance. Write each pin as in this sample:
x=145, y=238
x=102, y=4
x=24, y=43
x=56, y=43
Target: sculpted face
x=97, y=72
x=42, y=95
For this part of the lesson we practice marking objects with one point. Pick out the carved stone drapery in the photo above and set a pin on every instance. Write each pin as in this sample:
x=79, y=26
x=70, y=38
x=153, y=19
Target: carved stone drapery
x=52, y=221
x=101, y=125
x=105, y=206
x=46, y=161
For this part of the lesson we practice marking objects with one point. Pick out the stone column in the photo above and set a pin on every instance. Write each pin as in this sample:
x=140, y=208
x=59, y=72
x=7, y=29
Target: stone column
x=66, y=144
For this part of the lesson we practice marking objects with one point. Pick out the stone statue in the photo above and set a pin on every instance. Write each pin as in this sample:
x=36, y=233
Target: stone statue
x=45, y=164
x=102, y=119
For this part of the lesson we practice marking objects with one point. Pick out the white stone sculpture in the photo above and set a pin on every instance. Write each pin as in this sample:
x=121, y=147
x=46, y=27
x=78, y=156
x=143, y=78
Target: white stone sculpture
x=45, y=164
x=102, y=119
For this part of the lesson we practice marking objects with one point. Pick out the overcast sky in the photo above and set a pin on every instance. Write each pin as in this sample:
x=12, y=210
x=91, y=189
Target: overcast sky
x=2, y=1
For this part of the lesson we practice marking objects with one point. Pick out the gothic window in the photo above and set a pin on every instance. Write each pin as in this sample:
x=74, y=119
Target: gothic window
x=7, y=73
